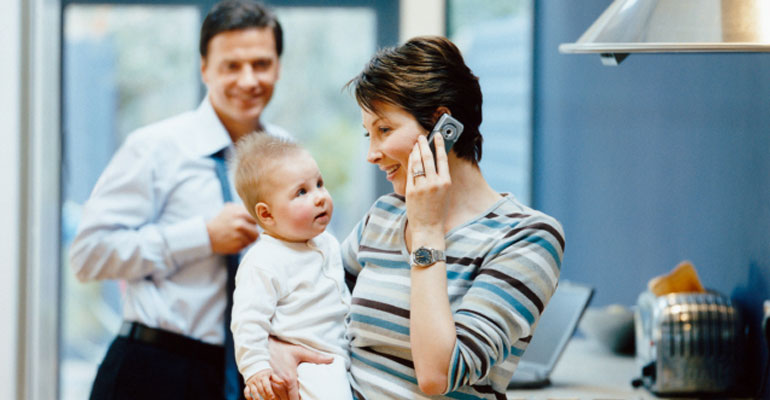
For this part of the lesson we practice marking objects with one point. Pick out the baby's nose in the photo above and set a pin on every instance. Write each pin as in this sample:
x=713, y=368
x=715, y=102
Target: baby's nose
x=320, y=197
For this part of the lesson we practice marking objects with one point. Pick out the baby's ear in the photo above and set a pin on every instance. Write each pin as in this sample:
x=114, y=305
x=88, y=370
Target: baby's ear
x=263, y=214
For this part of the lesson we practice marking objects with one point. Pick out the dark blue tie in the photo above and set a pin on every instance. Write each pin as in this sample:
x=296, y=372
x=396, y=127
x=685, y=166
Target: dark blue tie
x=233, y=379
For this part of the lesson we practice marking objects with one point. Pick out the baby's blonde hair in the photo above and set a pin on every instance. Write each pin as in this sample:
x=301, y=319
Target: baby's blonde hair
x=255, y=157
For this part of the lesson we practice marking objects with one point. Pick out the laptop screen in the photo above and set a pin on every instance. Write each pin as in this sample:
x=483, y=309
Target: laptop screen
x=557, y=324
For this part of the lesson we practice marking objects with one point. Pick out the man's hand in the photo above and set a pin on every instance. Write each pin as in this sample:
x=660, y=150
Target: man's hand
x=232, y=229
x=284, y=359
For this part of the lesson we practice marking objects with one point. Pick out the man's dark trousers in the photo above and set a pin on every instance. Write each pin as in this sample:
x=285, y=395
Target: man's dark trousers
x=134, y=370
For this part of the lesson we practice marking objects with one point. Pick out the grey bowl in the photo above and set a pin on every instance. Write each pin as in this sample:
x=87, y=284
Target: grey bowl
x=611, y=326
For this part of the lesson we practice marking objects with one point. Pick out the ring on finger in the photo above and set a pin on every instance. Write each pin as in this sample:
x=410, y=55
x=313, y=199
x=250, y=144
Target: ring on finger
x=418, y=172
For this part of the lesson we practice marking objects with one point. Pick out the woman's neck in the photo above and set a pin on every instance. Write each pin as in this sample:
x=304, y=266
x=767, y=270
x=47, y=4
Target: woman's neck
x=469, y=195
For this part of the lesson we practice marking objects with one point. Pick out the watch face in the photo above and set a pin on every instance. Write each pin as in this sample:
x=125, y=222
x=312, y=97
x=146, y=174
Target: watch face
x=422, y=256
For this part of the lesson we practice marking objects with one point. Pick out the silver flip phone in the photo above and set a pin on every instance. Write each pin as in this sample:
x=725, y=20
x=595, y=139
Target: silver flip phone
x=449, y=128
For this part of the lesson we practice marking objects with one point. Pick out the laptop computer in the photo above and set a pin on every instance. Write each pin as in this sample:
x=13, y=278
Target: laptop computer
x=555, y=328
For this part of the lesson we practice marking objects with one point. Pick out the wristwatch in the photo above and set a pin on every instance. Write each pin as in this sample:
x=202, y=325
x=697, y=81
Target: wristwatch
x=425, y=257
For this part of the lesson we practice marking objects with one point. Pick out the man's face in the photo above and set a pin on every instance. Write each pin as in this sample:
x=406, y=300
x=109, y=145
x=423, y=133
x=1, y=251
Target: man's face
x=240, y=71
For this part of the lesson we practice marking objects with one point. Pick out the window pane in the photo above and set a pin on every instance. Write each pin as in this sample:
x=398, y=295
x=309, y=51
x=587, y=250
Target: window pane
x=324, y=48
x=128, y=66
x=495, y=37
x=124, y=67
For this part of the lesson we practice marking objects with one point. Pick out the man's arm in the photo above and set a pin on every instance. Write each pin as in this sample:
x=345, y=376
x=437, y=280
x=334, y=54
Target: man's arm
x=118, y=237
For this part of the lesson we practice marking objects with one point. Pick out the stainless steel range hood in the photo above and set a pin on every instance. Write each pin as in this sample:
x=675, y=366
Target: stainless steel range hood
x=676, y=26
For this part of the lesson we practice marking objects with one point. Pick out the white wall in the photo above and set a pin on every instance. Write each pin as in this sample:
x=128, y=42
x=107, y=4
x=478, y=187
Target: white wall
x=10, y=127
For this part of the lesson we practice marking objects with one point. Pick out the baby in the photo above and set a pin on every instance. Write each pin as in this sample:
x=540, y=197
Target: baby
x=290, y=284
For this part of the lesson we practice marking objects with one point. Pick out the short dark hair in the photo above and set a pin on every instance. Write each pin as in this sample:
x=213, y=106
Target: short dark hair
x=420, y=76
x=230, y=15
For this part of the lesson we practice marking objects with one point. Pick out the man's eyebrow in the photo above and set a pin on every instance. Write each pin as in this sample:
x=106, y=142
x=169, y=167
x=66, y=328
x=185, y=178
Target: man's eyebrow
x=247, y=59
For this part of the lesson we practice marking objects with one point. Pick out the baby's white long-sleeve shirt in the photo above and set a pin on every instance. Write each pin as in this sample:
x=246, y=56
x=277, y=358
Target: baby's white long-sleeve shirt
x=294, y=291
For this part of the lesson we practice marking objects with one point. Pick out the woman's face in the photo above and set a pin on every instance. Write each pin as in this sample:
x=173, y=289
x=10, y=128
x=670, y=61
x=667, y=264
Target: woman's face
x=392, y=134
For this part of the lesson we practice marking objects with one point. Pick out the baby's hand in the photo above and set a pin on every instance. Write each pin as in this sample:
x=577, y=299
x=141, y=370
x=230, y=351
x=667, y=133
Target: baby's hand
x=258, y=386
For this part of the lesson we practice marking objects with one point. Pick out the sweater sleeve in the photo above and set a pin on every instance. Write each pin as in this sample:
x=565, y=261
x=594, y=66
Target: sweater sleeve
x=256, y=296
x=514, y=283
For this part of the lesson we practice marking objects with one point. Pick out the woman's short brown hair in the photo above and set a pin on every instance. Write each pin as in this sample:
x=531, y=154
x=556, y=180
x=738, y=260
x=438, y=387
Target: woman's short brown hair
x=420, y=76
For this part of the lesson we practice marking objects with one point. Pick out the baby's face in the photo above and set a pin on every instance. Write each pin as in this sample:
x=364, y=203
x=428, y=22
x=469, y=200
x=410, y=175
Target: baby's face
x=299, y=203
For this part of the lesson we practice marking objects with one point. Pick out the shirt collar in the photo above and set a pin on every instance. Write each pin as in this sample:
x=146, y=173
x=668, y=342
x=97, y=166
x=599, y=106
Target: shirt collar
x=211, y=133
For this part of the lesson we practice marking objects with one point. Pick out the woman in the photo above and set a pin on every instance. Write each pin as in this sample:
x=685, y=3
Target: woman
x=440, y=325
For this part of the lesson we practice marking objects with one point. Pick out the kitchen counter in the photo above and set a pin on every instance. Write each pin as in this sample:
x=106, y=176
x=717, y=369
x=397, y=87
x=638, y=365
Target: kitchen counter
x=587, y=371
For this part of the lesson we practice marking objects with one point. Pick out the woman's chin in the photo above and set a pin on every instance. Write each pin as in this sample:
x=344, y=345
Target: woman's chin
x=399, y=187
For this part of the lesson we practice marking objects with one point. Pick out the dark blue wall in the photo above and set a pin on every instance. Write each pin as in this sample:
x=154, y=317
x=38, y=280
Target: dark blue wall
x=661, y=159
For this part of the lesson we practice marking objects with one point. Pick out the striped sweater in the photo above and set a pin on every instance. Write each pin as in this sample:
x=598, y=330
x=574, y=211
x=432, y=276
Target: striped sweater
x=502, y=268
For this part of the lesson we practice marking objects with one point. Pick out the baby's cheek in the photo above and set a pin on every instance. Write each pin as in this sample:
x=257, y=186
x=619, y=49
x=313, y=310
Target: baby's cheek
x=302, y=217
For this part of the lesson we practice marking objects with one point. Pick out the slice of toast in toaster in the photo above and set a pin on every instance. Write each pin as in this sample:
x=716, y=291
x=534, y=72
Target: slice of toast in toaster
x=682, y=278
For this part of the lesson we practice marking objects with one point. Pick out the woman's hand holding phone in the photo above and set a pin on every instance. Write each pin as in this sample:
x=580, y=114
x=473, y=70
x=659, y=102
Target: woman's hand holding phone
x=427, y=188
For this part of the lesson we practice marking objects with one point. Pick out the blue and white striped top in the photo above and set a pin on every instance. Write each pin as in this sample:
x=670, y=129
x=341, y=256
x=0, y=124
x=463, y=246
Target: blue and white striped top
x=502, y=268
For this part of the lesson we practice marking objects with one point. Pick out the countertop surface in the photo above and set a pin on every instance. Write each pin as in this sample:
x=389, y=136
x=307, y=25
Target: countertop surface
x=589, y=371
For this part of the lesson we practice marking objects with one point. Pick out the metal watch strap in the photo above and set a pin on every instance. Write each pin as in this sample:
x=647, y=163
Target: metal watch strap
x=425, y=257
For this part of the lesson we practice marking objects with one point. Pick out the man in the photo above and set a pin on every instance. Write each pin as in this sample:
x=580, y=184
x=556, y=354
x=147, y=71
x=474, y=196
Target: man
x=164, y=219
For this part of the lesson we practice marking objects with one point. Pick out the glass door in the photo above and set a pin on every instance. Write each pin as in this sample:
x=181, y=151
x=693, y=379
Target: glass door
x=127, y=65
x=124, y=66
x=323, y=49
x=495, y=37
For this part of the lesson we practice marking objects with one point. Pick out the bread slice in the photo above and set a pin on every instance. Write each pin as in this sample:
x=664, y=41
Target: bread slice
x=682, y=278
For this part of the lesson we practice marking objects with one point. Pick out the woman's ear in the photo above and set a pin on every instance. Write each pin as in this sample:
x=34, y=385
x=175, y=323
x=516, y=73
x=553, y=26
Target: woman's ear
x=263, y=214
x=439, y=112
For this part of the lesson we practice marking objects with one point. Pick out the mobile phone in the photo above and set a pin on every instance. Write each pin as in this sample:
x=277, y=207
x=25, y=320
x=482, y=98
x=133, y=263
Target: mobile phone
x=449, y=128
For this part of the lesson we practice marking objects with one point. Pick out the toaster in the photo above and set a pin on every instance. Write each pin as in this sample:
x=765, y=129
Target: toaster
x=688, y=343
